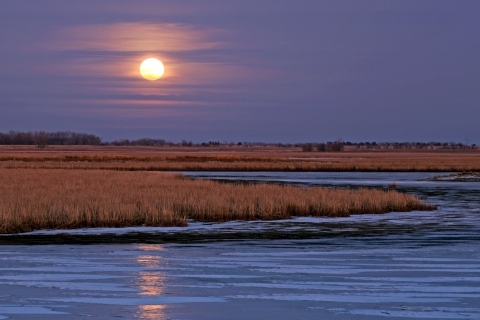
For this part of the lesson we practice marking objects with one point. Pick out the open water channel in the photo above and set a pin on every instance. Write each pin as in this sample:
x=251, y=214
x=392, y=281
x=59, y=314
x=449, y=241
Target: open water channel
x=415, y=265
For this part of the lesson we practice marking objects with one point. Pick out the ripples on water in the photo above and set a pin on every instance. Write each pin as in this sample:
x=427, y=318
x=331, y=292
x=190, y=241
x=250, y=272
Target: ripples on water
x=419, y=265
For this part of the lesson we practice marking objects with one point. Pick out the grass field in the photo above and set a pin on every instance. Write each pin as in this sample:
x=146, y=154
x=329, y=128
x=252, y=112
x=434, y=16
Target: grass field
x=235, y=159
x=67, y=199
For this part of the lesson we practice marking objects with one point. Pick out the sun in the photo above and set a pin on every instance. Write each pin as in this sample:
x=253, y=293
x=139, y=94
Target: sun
x=152, y=69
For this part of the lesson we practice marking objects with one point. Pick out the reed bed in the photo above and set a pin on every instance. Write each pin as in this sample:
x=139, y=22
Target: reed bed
x=64, y=199
x=164, y=159
x=215, y=164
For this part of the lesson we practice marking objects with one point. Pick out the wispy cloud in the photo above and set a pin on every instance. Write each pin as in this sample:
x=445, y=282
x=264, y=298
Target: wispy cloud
x=104, y=60
x=192, y=55
x=137, y=37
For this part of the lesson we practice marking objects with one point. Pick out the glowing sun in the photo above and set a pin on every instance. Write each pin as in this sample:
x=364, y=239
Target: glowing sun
x=152, y=69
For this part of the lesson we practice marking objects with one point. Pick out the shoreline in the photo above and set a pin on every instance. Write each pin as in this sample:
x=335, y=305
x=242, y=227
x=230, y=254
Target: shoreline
x=306, y=228
x=457, y=177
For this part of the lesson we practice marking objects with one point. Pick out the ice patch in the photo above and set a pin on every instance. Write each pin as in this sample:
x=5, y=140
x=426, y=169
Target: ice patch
x=384, y=298
x=214, y=276
x=19, y=309
x=441, y=314
x=135, y=301
x=86, y=269
x=366, y=288
x=96, y=286
x=58, y=277
x=420, y=280
x=314, y=270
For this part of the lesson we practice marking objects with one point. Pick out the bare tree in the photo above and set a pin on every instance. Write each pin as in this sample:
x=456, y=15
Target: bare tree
x=41, y=138
x=307, y=147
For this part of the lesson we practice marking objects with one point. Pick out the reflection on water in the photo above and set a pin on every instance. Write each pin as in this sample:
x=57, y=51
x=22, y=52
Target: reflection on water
x=149, y=261
x=151, y=247
x=151, y=283
x=154, y=312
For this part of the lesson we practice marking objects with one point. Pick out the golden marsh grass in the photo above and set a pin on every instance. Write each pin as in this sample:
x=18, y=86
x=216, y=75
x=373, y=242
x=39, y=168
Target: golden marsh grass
x=67, y=199
x=236, y=159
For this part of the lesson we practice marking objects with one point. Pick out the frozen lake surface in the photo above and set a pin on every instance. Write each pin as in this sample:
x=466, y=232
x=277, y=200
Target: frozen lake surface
x=417, y=265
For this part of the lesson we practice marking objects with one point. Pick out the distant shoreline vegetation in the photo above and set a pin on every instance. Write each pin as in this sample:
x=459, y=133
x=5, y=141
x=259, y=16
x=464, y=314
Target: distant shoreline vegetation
x=42, y=139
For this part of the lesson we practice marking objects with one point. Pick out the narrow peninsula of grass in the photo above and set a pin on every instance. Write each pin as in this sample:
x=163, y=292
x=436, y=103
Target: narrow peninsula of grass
x=68, y=199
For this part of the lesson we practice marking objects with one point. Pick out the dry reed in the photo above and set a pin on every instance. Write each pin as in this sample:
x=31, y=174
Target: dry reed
x=250, y=159
x=66, y=199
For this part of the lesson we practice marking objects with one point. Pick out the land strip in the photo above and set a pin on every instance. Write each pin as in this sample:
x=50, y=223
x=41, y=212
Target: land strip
x=234, y=159
x=69, y=199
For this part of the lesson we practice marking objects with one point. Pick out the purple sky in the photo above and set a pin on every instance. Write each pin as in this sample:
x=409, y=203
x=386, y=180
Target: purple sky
x=273, y=71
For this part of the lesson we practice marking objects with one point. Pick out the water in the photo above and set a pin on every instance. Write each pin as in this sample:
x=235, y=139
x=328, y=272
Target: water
x=418, y=265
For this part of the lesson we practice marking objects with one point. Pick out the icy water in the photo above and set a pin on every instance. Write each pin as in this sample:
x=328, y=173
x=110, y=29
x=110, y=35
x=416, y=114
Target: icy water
x=418, y=265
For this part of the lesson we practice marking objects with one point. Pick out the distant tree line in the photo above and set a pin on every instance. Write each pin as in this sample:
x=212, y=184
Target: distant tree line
x=412, y=145
x=42, y=138
x=162, y=142
x=212, y=143
x=141, y=142
x=340, y=146
x=330, y=146
x=323, y=147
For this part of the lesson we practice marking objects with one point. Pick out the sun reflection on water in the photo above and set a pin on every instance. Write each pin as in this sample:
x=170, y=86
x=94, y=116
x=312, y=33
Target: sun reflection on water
x=151, y=283
x=151, y=247
x=149, y=261
x=154, y=312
